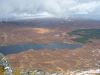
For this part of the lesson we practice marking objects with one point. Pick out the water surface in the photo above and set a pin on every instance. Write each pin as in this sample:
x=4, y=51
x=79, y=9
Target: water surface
x=10, y=49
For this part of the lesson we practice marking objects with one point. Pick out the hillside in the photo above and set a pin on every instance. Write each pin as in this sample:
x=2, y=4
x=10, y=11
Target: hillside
x=83, y=58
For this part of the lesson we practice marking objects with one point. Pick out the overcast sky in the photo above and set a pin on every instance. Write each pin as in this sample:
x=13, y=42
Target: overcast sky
x=49, y=8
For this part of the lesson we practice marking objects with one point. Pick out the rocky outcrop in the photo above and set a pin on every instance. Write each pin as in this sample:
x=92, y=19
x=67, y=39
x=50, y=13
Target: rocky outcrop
x=6, y=69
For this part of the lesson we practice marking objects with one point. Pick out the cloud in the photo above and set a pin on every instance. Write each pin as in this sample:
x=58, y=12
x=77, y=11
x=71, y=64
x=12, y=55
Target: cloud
x=48, y=8
x=86, y=7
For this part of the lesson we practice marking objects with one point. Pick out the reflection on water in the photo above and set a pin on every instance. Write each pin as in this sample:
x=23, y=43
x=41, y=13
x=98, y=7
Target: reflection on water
x=23, y=47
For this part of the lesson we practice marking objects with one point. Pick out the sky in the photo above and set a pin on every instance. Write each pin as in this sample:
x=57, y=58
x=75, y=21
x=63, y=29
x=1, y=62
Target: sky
x=26, y=9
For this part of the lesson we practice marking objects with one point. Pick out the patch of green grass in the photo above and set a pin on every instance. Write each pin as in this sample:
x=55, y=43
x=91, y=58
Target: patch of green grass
x=81, y=40
x=85, y=34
